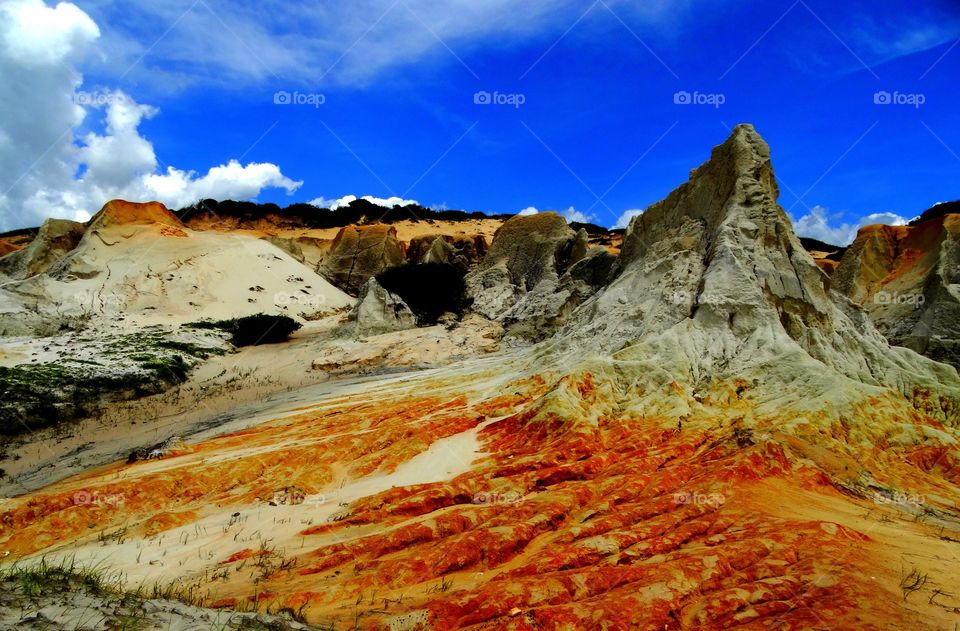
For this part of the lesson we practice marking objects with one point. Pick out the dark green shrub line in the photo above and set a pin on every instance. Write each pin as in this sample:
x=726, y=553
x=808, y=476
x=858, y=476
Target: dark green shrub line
x=252, y=330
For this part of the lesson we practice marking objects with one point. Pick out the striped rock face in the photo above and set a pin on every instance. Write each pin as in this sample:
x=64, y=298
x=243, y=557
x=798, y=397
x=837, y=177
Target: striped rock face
x=907, y=278
x=483, y=499
x=714, y=439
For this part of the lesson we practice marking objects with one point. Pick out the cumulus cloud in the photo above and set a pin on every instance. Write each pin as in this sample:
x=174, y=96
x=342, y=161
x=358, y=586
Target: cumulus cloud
x=386, y=202
x=48, y=166
x=816, y=225
x=332, y=204
x=571, y=214
x=624, y=220
x=390, y=202
x=227, y=181
x=38, y=36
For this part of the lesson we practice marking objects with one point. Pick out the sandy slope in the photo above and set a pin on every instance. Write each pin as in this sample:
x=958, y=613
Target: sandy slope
x=228, y=392
x=438, y=497
x=137, y=275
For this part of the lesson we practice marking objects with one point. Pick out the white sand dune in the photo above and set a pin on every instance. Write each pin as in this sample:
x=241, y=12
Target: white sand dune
x=173, y=277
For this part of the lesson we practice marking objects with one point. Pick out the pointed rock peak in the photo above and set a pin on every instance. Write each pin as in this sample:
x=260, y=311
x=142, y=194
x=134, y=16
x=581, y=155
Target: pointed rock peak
x=735, y=186
x=745, y=154
x=119, y=212
x=712, y=283
x=745, y=138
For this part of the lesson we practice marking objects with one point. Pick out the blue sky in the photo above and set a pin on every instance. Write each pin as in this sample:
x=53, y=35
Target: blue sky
x=598, y=129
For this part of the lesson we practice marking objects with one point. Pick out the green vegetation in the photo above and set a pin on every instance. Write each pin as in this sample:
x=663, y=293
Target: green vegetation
x=88, y=593
x=43, y=578
x=93, y=374
x=92, y=371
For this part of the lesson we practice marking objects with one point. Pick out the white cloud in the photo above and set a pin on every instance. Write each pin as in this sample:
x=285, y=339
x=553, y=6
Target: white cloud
x=624, y=220
x=121, y=154
x=390, y=202
x=48, y=167
x=39, y=36
x=386, y=202
x=249, y=42
x=816, y=225
x=888, y=37
x=178, y=188
x=332, y=204
x=878, y=37
x=571, y=214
